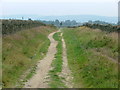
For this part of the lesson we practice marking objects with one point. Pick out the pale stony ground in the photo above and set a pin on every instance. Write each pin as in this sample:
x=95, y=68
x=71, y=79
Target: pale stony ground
x=66, y=73
x=41, y=78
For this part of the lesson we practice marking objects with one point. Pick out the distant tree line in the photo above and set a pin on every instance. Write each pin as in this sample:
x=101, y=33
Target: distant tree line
x=118, y=22
x=99, y=22
x=12, y=26
x=107, y=27
x=66, y=23
x=73, y=23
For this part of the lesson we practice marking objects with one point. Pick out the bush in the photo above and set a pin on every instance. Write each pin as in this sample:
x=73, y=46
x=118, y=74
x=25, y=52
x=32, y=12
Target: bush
x=108, y=28
x=12, y=26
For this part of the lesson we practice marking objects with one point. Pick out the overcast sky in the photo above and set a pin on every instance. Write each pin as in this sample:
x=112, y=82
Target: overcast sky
x=60, y=7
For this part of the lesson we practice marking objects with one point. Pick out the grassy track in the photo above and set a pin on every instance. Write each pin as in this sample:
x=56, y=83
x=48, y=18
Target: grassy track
x=21, y=51
x=88, y=68
x=56, y=81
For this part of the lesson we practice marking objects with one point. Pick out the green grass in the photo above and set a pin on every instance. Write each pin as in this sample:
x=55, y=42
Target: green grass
x=91, y=70
x=21, y=51
x=55, y=79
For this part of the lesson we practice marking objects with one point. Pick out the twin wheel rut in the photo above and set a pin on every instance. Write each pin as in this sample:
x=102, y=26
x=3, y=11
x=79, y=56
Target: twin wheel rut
x=43, y=67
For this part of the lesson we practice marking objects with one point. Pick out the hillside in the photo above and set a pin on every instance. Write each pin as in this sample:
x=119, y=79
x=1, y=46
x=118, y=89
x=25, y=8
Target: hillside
x=92, y=57
x=45, y=56
x=104, y=27
x=22, y=50
x=12, y=26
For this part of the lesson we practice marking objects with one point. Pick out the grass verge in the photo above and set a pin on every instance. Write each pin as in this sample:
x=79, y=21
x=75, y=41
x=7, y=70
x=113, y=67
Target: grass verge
x=21, y=51
x=55, y=79
x=91, y=70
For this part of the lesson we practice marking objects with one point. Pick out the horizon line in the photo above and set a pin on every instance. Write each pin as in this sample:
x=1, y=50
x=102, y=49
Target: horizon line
x=55, y=15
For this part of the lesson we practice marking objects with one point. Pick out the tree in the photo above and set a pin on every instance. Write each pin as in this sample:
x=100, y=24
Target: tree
x=60, y=23
x=57, y=23
x=29, y=19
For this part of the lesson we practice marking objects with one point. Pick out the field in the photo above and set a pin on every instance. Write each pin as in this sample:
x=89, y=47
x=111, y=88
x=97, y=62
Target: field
x=21, y=51
x=92, y=57
x=36, y=55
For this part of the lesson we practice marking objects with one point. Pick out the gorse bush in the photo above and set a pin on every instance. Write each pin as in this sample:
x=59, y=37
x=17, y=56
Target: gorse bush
x=107, y=28
x=12, y=26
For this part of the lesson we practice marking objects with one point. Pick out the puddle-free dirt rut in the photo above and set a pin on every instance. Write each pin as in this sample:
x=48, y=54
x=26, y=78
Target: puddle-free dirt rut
x=43, y=67
x=66, y=73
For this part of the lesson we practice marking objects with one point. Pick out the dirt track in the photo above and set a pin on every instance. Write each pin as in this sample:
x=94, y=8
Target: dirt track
x=43, y=67
x=66, y=73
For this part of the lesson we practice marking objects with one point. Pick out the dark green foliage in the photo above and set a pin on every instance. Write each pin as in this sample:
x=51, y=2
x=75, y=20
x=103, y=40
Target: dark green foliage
x=66, y=23
x=107, y=28
x=12, y=26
